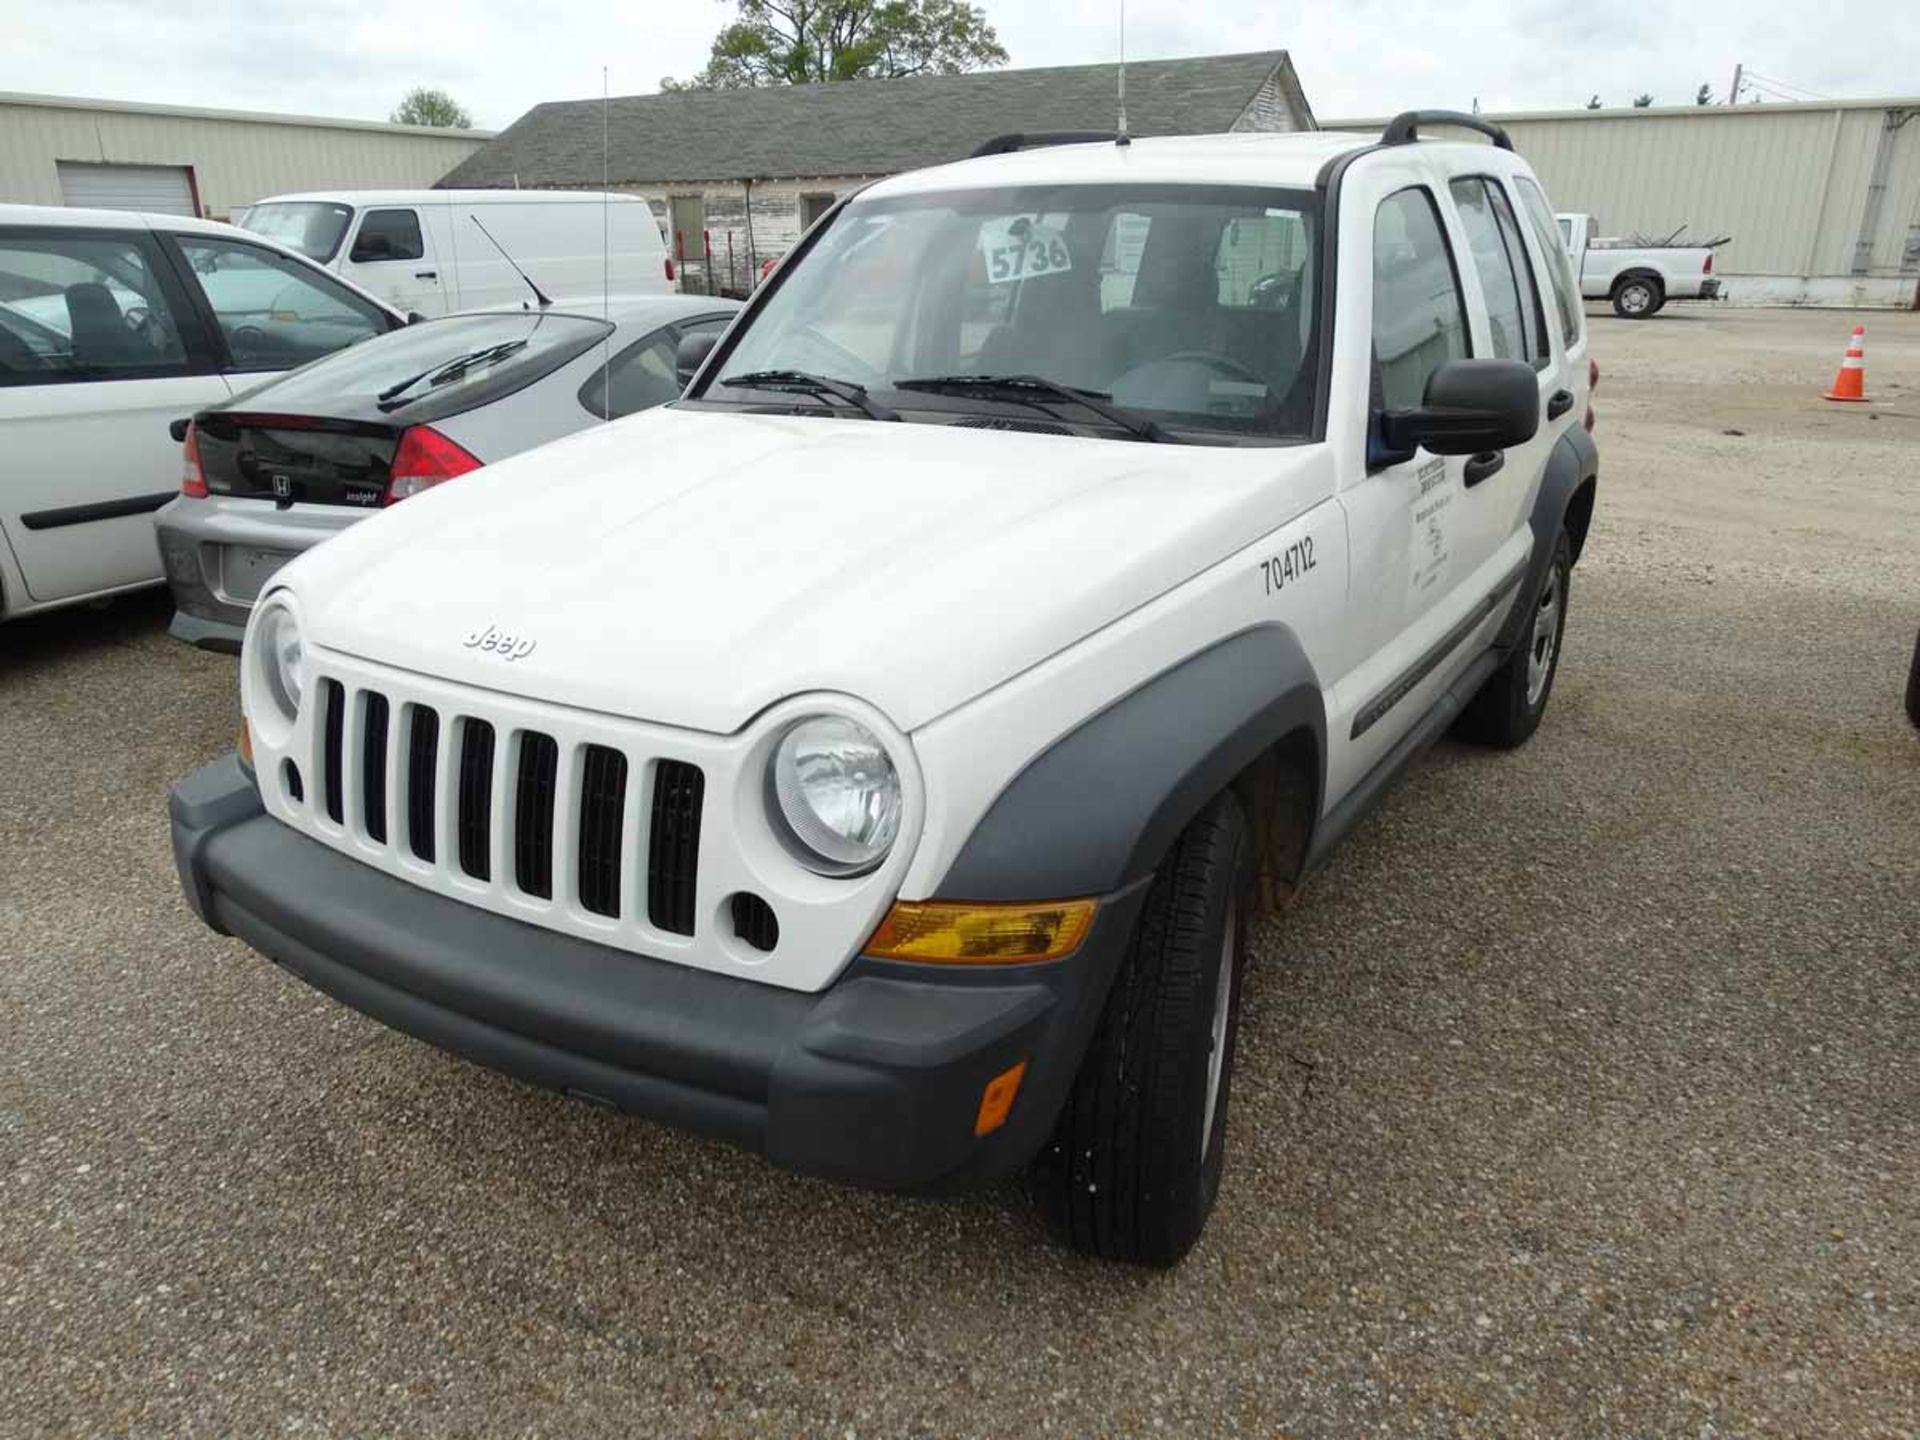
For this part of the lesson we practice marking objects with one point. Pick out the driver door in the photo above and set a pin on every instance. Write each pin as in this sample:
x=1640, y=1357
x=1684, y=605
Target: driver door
x=98, y=354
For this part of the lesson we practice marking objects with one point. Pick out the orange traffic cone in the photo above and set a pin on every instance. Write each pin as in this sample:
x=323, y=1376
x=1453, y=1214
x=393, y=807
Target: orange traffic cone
x=1851, y=382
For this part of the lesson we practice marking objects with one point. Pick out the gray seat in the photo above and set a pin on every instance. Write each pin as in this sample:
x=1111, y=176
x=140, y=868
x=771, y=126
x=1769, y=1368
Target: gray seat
x=98, y=330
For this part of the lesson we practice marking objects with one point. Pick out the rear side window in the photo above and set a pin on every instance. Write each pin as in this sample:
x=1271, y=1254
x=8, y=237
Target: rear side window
x=1506, y=276
x=641, y=376
x=77, y=308
x=1566, y=291
x=1419, y=317
x=388, y=235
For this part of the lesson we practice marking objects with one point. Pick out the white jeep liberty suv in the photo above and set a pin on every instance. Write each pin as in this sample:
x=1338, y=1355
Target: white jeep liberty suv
x=873, y=757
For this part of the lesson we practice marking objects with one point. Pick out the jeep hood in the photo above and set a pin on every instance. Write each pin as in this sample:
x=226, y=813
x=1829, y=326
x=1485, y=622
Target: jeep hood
x=692, y=567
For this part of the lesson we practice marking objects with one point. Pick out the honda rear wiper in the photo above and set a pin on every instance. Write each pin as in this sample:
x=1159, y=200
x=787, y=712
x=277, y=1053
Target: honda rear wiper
x=388, y=399
x=801, y=382
x=1029, y=390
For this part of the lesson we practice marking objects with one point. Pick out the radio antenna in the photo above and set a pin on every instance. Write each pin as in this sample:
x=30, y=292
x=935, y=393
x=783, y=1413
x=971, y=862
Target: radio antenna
x=606, y=263
x=538, y=293
x=1120, y=134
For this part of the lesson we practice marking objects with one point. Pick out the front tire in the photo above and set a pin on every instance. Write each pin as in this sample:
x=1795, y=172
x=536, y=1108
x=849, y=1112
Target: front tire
x=1133, y=1167
x=1506, y=710
x=1638, y=298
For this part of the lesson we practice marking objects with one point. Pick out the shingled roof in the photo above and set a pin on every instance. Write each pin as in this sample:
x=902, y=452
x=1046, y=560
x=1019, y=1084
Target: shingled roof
x=863, y=127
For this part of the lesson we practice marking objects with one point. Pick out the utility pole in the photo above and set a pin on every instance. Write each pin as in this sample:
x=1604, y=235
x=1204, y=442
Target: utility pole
x=1733, y=95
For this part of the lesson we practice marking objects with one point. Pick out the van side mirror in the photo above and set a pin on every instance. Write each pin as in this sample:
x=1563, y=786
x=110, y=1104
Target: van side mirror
x=692, y=354
x=372, y=247
x=1470, y=406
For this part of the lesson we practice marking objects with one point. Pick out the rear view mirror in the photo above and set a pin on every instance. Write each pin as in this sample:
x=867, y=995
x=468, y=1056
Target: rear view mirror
x=691, y=355
x=178, y=430
x=1471, y=406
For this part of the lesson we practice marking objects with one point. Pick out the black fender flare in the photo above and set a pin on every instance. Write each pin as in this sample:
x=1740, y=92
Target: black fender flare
x=1573, y=463
x=1098, y=808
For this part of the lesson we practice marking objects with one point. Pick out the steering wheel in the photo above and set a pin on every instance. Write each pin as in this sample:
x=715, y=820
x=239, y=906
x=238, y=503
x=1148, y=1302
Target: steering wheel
x=247, y=340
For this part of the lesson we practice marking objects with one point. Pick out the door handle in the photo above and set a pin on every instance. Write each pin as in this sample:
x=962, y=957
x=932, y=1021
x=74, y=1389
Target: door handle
x=435, y=275
x=1487, y=462
x=1561, y=402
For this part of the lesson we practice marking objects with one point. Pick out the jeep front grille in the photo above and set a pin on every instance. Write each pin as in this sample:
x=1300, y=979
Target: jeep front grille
x=509, y=806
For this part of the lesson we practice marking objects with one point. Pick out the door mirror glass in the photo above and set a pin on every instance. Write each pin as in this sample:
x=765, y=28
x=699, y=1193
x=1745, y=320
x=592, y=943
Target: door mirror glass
x=692, y=354
x=373, y=246
x=1470, y=406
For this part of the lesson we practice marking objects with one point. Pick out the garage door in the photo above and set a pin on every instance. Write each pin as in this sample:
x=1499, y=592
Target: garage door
x=160, y=189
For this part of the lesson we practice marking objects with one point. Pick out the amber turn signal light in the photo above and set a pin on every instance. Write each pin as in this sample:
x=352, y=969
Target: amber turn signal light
x=246, y=744
x=997, y=1099
x=981, y=934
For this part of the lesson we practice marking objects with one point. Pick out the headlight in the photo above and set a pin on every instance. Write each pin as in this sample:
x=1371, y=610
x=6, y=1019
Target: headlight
x=282, y=659
x=836, y=793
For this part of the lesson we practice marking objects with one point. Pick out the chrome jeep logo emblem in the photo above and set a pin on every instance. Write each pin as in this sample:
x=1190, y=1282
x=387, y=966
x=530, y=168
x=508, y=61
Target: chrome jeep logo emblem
x=497, y=642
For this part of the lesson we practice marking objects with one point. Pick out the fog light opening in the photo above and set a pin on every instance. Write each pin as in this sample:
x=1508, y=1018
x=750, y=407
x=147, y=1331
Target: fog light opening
x=754, y=923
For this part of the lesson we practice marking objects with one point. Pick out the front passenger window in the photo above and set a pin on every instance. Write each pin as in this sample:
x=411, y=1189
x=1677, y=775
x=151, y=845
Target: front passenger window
x=275, y=312
x=388, y=235
x=1419, y=318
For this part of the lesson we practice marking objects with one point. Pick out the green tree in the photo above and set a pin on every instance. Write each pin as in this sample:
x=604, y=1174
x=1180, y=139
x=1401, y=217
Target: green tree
x=1704, y=95
x=805, y=42
x=1641, y=102
x=437, y=108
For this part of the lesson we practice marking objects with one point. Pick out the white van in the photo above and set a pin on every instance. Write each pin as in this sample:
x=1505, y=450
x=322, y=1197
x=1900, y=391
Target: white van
x=426, y=250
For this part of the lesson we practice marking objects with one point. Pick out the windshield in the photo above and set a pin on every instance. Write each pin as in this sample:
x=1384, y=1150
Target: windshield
x=1191, y=306
x=425, y=354
x=313, y=227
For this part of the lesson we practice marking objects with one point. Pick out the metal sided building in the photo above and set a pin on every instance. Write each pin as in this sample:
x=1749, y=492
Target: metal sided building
x=56, y=150
x=735, y=176
x=1822, y=199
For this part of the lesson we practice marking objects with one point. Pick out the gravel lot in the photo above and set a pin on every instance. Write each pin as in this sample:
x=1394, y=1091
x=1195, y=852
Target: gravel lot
x=1579, y=1096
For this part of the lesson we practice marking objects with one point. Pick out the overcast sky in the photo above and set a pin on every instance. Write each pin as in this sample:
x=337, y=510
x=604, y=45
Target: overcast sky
x=1356, y=57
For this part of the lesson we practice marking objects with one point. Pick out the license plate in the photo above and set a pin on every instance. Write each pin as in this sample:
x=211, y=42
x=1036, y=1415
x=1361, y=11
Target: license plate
x=246, y=570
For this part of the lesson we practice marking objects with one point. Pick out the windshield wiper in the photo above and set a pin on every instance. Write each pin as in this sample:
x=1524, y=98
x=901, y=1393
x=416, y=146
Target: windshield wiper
x=388, y=399
x=801, y=382
x=1029, y=390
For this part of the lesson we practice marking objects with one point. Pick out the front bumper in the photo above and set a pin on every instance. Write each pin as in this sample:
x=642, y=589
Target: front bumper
x=199, y=540
x=876, y=1079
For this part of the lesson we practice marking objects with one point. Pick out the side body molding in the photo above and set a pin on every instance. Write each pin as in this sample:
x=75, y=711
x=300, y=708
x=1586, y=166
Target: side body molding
x=1574, y=461
x=1098, y=808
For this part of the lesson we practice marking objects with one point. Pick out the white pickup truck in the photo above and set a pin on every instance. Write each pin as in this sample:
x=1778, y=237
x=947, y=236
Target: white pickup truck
x=1638, y=279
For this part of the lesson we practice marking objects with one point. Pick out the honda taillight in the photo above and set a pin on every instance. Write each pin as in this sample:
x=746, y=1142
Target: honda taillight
x=193, y=480
x=1707, y=269
x=424, y=458
x=669, y=264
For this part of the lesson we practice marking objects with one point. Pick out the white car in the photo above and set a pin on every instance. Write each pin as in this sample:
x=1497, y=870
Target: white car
x=1638, y=280
x=438, y=251
x=112, y=325
x=870, y=757
x=279, y=468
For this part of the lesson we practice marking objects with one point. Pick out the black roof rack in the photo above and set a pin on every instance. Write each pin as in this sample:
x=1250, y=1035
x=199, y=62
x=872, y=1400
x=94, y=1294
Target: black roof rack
x=1035, y=139
x=1404, y=128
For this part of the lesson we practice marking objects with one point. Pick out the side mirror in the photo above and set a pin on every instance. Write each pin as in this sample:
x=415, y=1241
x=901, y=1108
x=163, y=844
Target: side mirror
x=691, y=355
x=414, y=317
x=372, y=247
x=1470, y=406
x=178, y=430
